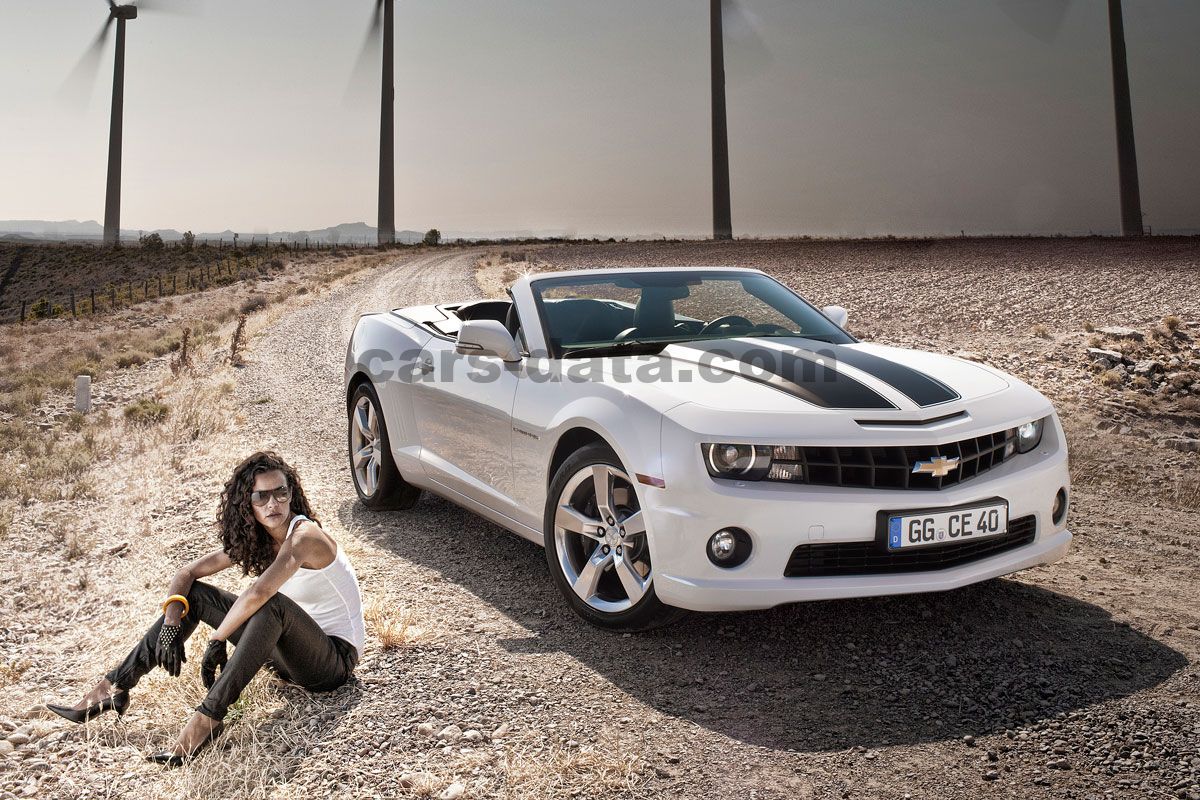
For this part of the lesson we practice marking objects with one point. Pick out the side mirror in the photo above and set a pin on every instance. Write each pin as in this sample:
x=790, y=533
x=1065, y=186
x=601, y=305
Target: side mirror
x=836, y=314
x=486, y=337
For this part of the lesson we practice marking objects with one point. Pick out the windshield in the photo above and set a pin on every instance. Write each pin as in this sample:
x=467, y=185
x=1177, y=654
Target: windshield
x=672, y=306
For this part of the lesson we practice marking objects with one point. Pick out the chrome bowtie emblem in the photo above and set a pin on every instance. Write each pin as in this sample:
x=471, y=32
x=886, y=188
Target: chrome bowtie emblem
x=938, y=467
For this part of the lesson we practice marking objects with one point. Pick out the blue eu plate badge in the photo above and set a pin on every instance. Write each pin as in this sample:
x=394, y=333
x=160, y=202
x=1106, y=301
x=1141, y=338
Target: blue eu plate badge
x=894, y=527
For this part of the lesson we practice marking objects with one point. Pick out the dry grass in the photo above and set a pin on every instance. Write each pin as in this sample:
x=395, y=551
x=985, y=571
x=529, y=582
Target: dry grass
x=1039, y=330
x=568, y=772
x=11, y=672
x=1110, y=378
x=1186, y=494
x=392, y=627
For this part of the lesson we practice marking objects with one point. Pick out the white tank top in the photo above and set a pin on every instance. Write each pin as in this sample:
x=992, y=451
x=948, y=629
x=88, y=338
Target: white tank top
x=329, y=595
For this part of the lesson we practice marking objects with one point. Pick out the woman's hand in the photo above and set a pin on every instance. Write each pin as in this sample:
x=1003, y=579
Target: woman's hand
x=168, y=653
x=214, y=657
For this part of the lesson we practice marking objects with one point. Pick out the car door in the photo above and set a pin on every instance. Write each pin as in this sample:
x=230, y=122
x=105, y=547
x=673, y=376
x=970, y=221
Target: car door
x=463, y=407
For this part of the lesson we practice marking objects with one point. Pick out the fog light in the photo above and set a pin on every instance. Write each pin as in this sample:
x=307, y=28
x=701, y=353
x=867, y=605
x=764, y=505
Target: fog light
x=729, y=547
x=1059, y=512
x=722, y=545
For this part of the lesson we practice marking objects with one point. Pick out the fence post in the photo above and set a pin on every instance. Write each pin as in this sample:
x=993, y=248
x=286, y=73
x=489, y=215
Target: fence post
x=173, y=276
x=73, y=314
x=160, y=285
x=93, y=293
x=22, y=311
x=113, y=303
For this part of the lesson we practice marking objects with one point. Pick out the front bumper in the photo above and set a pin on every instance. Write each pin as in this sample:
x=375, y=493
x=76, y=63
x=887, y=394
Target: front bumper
x=737, y=594
x=779, y=517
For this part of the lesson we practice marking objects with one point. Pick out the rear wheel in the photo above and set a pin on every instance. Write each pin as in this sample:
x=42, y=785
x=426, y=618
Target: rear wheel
x=376, y=478
x=597, y=545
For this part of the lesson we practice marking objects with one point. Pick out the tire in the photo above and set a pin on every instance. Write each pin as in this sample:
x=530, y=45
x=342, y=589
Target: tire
x=376, y=479
x=611, y=589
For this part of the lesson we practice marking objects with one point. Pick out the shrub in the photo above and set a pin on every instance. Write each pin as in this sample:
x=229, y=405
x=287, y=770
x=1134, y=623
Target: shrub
x=1039, y=330
x=238, y=342
x=255, y=302
x=151, y=241
x=1171, y=322
x=188, y=241
x=1111, y=378
x=183, y=358
x=433, y=237
x=132, y=359
x=146, y=411
x=44, y=309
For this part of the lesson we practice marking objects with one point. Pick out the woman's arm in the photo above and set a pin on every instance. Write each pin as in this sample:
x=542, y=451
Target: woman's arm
x=303, y=546
x=181, y=584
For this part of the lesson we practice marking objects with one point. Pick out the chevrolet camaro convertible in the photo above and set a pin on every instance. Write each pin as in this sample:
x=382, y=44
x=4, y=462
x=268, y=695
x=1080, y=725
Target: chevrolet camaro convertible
x=704, y=439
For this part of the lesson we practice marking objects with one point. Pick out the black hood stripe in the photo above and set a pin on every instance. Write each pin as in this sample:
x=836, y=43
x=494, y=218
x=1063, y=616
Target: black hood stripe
x=916, y=386
x=812, y=375
x=795, y=373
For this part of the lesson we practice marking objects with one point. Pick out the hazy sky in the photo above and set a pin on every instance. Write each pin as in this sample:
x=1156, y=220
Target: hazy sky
x=592, y=116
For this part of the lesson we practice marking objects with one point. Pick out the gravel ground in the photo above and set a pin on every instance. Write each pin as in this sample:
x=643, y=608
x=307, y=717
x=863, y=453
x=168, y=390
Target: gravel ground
x=1081, y=679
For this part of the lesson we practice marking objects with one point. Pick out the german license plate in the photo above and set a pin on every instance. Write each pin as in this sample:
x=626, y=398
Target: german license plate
x=929, y=527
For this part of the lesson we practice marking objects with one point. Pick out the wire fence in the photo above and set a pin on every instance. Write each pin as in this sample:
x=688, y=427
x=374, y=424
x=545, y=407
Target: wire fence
x=244, y=262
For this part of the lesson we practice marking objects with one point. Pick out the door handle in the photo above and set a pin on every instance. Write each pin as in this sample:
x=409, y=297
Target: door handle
x=426, y=366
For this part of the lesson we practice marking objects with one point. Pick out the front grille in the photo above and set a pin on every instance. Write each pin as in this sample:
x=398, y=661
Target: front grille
x=890, y=467
x=873, y=558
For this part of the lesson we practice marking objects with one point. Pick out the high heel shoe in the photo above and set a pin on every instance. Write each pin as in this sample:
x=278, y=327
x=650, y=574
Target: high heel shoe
x=118, y=701
x=170, y=759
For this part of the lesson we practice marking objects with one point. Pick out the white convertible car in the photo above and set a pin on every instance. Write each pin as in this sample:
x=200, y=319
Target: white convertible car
x=704, y=439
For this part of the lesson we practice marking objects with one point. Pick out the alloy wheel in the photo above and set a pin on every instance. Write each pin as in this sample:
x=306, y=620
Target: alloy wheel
x=600, y=537
x=365, y=445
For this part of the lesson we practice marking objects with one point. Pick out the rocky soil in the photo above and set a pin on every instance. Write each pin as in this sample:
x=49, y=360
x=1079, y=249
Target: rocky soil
x=1077, y=680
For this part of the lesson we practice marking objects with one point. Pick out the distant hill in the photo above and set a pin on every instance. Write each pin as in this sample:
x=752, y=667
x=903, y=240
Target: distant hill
x=90, y=230
x=348, y=232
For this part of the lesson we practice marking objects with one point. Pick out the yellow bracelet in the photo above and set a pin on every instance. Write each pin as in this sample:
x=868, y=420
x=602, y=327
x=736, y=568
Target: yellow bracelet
x=173, y=599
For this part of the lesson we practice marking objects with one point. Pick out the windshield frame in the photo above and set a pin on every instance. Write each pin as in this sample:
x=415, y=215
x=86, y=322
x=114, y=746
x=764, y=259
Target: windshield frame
x=557, y=351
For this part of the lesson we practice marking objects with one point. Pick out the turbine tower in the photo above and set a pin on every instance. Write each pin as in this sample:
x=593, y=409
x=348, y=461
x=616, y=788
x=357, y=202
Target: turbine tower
x=382, y=22
x=112, y=194
x=1131, y=196
x=722, y=224
x=386, y=227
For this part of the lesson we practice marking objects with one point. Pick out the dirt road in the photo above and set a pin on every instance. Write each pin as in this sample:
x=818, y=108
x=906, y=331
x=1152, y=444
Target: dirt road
x=1048, y=684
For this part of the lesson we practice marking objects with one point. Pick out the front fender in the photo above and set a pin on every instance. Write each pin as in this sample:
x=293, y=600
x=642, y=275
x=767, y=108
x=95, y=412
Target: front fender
x=631, y=428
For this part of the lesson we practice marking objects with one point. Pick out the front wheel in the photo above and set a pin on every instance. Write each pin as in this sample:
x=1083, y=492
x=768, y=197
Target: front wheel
x=376, y=478
x=597, y=545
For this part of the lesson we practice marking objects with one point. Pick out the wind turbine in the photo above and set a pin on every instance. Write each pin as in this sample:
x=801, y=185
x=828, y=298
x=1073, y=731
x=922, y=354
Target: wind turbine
x=1043, y=18
x=383, y=18
x=85, y=71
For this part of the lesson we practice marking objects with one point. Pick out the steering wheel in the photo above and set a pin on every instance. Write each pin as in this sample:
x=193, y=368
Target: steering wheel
x=771, y=327
x=727, y=321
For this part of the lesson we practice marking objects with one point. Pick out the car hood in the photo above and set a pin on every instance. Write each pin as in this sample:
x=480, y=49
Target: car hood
x=796, y=375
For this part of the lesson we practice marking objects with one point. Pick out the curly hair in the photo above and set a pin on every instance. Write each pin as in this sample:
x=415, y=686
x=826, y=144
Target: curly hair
x=243, y=538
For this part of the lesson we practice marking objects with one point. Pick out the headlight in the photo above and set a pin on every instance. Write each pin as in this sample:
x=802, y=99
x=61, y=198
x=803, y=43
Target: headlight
x=1029, y=435
x=737, y=461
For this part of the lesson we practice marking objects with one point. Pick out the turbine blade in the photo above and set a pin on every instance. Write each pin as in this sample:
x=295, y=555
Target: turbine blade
x=746, y=54
x=183, y=8
x=1041, y=19
x=363, y=80
x=76, y=88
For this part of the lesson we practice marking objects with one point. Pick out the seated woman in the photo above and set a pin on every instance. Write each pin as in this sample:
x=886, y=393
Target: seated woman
x=302, y=615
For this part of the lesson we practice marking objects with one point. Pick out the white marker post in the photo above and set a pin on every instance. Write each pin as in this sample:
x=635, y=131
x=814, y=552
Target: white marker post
x=83, y=393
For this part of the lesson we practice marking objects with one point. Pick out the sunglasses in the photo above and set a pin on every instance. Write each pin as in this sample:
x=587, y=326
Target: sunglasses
x=282, y=494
